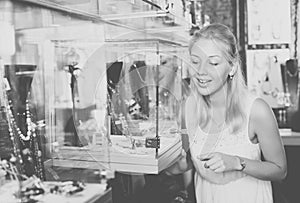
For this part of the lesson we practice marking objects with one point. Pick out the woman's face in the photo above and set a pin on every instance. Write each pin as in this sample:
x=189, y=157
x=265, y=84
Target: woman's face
x=209, y=67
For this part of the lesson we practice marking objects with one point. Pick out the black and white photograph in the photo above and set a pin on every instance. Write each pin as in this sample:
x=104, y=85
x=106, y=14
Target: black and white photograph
x=149, y=101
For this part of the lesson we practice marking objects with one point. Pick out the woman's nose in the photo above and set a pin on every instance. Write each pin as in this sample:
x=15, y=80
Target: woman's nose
x=199, y=69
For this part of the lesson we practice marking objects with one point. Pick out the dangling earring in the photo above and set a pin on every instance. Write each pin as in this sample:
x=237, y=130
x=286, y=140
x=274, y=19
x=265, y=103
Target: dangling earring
x=230, y=77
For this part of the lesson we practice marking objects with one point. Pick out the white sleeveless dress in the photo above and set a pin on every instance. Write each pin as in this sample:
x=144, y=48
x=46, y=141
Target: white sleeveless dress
x=233, y=186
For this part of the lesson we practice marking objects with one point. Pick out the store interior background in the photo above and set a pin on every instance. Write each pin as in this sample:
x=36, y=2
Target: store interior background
x=42, y=38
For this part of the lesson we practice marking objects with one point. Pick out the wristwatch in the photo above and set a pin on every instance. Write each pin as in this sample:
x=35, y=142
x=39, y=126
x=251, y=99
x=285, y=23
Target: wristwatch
x=242, y=164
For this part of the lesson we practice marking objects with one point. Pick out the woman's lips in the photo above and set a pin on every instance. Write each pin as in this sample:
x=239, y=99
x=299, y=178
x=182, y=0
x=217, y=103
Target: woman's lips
x=203, y=82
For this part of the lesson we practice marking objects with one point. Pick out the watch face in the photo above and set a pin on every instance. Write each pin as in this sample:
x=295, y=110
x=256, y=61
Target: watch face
x=243, y=164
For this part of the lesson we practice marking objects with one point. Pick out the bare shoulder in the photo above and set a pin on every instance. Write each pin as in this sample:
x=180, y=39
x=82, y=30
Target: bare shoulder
x=263, y=120
x=261, y=111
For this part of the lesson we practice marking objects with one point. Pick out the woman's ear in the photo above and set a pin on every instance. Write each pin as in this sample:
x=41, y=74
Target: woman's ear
x=233, y=70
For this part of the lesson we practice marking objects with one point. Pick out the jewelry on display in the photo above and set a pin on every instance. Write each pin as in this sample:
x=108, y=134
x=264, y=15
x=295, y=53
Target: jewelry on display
x=15, y=144
x=269, y=91
x=138, y=72
x=33, y=191
x=16, y=147
x=259, y=71
x=292, y=91
x=68, y=188
x=288, y=71
x=30, y=125
x=275, y=30
x=11, y=170
x=264, y=81
x=29, y=139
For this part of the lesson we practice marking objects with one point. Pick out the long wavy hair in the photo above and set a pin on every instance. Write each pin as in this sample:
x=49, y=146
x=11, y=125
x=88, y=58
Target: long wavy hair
x=236, y=91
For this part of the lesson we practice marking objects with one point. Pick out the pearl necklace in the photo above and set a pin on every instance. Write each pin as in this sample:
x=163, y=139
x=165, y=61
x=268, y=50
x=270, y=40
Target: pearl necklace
x=30, y=125
x=30, y=136
x=289, y=77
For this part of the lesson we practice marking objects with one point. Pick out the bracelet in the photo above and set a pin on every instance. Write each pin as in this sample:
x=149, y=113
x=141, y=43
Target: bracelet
x=33, y=191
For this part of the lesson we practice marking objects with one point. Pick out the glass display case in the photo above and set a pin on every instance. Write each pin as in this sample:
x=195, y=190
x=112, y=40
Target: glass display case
x=144, y=100
x=34, y=63
x=84, y=95
x=125, y=117
x=96, y=99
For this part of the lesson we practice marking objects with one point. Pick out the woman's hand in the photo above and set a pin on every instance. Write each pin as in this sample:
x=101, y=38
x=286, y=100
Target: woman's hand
x=219, y=162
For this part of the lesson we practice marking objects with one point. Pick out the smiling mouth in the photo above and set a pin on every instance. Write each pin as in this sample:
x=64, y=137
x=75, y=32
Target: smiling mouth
x=203, y=81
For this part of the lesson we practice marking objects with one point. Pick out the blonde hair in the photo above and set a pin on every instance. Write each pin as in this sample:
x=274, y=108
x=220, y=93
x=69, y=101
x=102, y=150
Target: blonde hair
x=236, y=92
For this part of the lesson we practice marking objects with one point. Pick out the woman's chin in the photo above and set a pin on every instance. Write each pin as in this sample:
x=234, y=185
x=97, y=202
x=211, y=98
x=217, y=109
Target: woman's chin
x=204, y=91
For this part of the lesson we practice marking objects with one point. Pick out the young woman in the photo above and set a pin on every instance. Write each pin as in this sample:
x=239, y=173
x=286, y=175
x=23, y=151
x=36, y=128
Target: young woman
x=235, y=146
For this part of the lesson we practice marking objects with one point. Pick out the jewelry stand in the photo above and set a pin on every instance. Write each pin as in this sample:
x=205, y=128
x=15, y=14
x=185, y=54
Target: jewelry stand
x=292, y=86
x=291, y=81
x=71, y=124
x=291, y=77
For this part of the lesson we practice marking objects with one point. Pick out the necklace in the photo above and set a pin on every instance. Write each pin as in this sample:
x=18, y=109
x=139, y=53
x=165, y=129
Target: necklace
x=259, y=71
x=267, y=87
x=29, y=141
x=138, y=73
x=16, y=155
x=292, y=74
x=292, y=86
x=16, y=146
x=30, y=129
x=211, y=141
x=219, y=125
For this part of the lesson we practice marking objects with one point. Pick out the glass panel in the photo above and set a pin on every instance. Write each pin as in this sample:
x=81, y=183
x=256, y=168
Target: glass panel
x=40, y=89
x=144, y=87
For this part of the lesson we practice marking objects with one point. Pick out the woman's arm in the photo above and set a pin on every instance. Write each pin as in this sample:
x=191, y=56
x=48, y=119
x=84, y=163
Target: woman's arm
x=264, y=125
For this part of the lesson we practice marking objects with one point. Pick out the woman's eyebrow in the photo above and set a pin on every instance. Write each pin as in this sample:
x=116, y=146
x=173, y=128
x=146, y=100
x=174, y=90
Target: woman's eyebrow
x=214, y=56
x=193, y=55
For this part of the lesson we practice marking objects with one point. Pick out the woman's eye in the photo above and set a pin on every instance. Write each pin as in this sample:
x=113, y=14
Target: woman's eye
x=213, y=64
